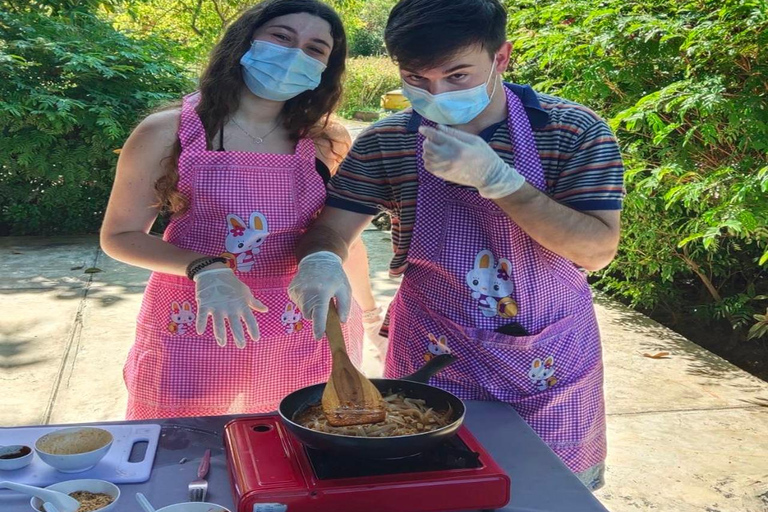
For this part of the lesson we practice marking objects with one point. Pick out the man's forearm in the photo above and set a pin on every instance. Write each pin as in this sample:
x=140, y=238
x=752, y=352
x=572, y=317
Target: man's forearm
x=585, y=239
x=335, y=231
x=322, y=238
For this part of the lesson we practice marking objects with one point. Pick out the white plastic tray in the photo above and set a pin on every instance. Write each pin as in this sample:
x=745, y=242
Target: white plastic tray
x=114, y=467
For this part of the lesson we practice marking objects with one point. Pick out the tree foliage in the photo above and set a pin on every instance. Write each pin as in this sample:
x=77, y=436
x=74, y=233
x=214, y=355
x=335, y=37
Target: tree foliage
x=684, y=84
x=366, y=34
x=191, y=27
x=72, y=88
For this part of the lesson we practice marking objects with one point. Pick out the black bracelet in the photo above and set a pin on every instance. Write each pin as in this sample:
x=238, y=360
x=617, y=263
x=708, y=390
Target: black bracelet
x=200, y=263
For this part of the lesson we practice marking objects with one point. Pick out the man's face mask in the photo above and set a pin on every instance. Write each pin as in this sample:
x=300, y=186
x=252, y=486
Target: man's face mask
x=453, y=107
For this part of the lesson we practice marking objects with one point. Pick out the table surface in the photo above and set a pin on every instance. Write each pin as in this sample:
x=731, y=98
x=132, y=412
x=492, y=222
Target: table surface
x=540, y=481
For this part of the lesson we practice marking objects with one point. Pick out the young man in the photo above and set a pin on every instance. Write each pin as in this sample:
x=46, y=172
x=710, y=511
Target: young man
x=496, y=218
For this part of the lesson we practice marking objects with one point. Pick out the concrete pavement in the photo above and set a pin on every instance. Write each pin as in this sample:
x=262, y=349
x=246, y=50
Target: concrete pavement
x=687, y=433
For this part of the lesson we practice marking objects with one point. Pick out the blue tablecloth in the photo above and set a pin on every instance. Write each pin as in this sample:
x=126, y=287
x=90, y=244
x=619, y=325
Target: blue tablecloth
x=540, y=481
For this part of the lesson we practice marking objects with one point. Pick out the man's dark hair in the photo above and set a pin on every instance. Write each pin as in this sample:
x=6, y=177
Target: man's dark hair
x=423, y=34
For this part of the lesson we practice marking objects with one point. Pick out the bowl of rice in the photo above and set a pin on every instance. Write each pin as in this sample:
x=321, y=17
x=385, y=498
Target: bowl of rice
x=74, y=449
x=93, y=495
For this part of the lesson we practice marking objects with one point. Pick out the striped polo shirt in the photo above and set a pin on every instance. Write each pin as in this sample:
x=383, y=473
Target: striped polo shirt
x=578, y=151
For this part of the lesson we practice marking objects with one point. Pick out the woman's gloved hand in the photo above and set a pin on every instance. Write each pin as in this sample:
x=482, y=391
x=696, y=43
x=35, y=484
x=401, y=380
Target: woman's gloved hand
x=221, y=295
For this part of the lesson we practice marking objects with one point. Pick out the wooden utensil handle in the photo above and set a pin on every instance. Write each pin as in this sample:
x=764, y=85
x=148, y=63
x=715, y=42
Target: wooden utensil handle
x=333, y=330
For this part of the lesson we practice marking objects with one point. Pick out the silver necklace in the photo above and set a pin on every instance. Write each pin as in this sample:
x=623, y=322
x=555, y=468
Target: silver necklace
x=257, y=140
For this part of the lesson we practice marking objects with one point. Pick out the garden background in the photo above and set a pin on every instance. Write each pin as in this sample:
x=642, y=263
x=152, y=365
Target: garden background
x=684, y=84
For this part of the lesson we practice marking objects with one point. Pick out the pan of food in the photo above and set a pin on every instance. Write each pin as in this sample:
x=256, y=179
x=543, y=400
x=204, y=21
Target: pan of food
x=419, y=417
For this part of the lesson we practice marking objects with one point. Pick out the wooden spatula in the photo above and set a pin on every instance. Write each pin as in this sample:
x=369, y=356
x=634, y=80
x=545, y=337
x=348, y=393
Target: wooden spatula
x=349, y=398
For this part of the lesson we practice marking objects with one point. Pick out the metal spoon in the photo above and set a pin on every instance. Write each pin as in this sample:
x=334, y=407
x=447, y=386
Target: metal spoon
x=61, y=501
x=144, y=502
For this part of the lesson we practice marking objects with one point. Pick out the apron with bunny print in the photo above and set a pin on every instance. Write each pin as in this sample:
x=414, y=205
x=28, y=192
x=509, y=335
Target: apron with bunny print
x=251, y=208
x=519, y=318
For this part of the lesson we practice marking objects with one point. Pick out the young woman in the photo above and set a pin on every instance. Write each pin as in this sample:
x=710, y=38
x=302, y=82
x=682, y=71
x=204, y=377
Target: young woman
x=242, y=166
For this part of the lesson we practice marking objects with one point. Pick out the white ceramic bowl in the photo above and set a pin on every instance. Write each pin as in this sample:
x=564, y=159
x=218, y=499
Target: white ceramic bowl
x=18, y=462
x=76, y=449
x=95, y=486
x=193, y=507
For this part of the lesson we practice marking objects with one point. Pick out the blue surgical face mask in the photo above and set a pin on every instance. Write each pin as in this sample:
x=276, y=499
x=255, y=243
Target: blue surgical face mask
x=277, y=73
x=450, y=108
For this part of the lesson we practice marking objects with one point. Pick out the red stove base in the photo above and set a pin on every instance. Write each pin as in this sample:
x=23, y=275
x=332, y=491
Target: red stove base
x=267, y=465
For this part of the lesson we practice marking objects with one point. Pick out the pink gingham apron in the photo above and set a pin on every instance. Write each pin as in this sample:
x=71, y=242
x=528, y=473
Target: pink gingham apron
x=252, y=207
x=463, y=247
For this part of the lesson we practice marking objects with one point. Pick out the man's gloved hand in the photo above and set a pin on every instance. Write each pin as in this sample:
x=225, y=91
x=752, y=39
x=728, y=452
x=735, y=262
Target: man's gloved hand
x=222, y=295
x=319, y=279
x=468, y=160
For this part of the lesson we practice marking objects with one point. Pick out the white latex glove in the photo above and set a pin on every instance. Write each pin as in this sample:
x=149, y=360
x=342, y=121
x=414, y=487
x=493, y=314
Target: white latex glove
x=222, y=295
x=468, y=160
x=372, y=320
x=319, y=279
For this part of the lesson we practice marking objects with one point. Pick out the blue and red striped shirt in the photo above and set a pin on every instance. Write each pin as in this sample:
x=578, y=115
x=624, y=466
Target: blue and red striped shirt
x=579, y=153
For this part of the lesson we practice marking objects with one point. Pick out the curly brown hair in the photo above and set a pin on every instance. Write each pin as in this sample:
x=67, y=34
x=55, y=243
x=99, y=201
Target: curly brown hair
x=306, y=115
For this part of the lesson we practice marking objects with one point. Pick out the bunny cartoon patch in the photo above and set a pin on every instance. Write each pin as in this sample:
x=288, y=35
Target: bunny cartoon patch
x=243, y=240
x=542, y=373
x=436, y=347
x=491, y=285
x=182, y=318
x=291, y=319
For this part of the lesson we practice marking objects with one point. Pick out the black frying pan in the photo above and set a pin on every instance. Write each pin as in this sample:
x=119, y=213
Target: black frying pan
x=412, y=386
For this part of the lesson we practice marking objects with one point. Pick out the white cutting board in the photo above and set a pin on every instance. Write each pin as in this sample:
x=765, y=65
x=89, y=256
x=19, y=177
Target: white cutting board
x=114, y=467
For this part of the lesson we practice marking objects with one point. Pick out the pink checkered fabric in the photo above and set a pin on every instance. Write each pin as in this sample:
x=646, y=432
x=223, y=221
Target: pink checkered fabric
x=553, y=377
x=265, y=202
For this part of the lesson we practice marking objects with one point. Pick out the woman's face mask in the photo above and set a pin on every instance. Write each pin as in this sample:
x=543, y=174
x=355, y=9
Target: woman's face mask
x=277, y=73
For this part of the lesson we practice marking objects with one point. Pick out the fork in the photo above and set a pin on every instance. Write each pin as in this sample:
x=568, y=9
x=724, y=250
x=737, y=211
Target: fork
x=198, y=488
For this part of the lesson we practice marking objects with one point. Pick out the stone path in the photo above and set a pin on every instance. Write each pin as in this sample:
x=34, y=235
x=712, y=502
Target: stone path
x=686, y=433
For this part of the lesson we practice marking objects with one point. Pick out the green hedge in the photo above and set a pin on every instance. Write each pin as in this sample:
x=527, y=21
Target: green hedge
x=368, y=78
x=684, y=84
x=72, y=89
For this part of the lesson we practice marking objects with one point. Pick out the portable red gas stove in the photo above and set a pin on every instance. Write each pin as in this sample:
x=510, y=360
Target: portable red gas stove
x=269, y=467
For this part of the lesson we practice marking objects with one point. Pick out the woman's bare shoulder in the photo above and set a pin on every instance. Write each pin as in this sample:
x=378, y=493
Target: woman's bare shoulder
x=164, y=123
x=334, y=145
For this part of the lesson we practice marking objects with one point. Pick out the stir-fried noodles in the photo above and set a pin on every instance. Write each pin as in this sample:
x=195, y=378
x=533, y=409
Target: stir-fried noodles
x=405, y=416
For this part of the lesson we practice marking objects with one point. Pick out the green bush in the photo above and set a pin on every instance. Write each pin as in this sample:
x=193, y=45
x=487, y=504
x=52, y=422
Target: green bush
x=72, y=88
x=368, y=78
x=365, y=22
x=190, y=28
x=366, y=43
x=684, y=84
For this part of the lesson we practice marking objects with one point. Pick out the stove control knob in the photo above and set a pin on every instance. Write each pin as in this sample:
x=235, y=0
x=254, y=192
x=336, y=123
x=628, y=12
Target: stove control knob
x=270, y=507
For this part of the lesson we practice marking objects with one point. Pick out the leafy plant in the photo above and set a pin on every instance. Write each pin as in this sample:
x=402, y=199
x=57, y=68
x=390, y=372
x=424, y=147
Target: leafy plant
x=760, y=329
x=366, y=28
x=73, y=87
x=368, y=78
x=190, y=29
x=684, y=84
x=366, y=43
x=57, y=7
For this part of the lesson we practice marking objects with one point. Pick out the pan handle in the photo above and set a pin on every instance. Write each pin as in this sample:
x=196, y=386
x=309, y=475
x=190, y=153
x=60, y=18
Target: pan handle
x=432, y=367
